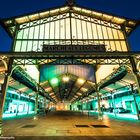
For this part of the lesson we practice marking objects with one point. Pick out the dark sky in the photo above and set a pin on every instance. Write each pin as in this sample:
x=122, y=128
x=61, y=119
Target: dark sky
x=125, y=8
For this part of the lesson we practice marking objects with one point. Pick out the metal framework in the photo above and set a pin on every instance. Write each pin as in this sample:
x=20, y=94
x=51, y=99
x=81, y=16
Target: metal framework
x=68, y=26
x=98, y=58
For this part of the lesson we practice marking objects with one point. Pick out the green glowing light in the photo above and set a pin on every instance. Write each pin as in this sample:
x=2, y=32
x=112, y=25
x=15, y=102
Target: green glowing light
x=54, y=81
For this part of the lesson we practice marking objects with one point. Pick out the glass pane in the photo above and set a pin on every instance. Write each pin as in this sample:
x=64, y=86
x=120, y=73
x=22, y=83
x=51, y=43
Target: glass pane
x=18, y=46
x=25, y=36
x=73, y=28
x=99, y=31
x=110, y=33
x=46, y=30
x=79, y=29
x=104, y=32
x=84, y=30
x=62, y=29
x=124, y=47
x=57, y=29
x=115, y=34
x=67, y=28
x=20, y=34
x=36, y=33
x=41, y=36
x=89, y=30
x=52, y=30
x=120, y=33
x=95, y=34
x=31, y=33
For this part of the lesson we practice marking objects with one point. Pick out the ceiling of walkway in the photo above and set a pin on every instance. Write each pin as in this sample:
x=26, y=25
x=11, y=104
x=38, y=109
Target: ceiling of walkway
x=67, y=86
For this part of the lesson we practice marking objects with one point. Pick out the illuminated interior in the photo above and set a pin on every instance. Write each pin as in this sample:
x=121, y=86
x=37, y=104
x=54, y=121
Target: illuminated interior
x=69, y=87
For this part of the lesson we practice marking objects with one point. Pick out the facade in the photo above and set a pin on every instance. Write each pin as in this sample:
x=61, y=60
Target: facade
x=90, y=48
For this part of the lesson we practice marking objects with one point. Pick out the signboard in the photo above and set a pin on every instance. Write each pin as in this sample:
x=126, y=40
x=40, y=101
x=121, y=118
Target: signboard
x=73, y=48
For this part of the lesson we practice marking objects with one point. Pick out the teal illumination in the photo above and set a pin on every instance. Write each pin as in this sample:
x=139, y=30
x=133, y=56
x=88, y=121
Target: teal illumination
x=54, y=81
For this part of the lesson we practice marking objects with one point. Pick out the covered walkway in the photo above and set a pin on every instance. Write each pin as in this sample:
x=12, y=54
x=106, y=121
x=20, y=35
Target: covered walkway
x=69, y=58
x=71, y=125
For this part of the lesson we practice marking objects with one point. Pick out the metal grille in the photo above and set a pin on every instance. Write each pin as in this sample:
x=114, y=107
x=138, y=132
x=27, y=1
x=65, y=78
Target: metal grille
x=100, y=126
x=81, y=125
x=29, y=126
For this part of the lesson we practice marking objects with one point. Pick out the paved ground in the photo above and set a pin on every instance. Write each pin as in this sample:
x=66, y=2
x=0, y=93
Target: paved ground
x=62, y=125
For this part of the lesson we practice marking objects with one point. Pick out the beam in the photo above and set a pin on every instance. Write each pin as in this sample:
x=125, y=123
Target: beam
x=69, y=54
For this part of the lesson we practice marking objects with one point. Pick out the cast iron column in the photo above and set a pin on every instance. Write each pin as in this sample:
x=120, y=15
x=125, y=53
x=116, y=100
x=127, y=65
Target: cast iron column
x=4, y=87
x=36, y=107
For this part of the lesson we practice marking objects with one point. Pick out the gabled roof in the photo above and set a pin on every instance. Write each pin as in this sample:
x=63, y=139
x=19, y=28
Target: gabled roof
x=129, y=24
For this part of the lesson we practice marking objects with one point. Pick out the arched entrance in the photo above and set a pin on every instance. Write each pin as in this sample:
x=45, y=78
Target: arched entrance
x=70, y=36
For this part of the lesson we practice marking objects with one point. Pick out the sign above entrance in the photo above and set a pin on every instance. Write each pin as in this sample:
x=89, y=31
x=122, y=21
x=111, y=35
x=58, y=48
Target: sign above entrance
x=73, y=48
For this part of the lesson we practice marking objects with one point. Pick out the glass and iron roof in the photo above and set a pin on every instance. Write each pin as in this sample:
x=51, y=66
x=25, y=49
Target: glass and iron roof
x=129, y=24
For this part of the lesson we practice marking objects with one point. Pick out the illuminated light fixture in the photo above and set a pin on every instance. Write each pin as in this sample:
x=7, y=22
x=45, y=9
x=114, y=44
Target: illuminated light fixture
x=84, y=89
x=51, y=94
x=23, y=89
x=80, y=81
x=48, y=89
x=54, y=81
x=76, y=96
x=78, y=93
x=65, y=78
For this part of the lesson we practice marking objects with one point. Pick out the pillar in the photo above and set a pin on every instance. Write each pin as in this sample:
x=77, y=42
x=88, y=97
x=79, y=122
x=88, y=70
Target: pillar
x=137, y=110
x=134, y=97
x=100, y=114
x=28, y=105
x=36, y=106
x=113, y=103
x=18, y=104
x=135, y=73
x=44, y=104
x=4, y=87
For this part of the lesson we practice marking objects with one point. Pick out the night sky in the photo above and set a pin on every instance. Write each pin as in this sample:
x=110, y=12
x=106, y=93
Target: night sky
x=124, y=8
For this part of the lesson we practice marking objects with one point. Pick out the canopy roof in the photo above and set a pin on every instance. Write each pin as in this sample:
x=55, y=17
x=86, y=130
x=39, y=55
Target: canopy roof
x=73, y=89
x=129, y=24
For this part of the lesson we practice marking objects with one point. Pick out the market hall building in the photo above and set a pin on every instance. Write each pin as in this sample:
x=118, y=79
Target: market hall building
x=69, y=61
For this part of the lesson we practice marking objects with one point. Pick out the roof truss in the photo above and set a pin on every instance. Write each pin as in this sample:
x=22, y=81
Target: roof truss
x=9, y=24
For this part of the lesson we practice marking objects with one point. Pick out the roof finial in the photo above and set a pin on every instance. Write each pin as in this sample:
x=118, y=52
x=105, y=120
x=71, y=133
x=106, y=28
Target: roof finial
x=70, y=3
